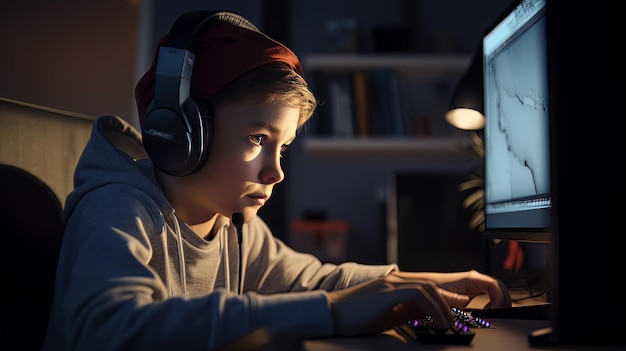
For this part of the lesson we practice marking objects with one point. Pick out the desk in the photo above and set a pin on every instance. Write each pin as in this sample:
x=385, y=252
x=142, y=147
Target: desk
x=504, y=335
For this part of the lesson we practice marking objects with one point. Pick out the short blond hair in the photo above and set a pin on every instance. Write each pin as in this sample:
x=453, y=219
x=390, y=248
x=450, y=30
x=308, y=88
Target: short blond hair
x=272, y=83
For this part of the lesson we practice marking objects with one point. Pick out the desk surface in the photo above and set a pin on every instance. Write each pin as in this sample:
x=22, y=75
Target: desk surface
x=505, y=334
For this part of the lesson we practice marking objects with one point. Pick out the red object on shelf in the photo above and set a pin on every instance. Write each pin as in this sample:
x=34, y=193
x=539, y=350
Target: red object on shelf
x=326, y=239
x=320, y=226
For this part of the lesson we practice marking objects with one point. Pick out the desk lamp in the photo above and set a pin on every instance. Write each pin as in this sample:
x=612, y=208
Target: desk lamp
x=466, y=106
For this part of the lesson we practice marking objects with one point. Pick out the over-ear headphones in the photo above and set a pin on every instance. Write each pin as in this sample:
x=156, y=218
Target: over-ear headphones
x=177, y=134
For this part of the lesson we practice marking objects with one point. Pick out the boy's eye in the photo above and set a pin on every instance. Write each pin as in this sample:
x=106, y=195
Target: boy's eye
x=256, y=139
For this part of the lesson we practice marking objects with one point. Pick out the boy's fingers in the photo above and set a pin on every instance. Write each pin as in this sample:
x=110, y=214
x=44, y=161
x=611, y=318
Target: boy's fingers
x=454, y=299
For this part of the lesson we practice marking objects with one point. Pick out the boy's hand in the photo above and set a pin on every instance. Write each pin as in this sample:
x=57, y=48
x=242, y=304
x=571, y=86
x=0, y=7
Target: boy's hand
x=383, y=303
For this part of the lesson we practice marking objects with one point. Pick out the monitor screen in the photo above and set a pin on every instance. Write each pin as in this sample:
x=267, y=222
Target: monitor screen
x=516, y=134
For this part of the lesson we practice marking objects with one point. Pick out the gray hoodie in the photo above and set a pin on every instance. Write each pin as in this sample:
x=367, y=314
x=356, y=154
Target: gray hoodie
x=131, y=276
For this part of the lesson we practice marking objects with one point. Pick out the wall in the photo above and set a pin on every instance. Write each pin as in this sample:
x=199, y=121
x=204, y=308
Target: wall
x=71, y=55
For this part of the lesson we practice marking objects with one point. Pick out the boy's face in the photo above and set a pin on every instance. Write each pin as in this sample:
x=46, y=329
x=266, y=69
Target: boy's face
x=244, y=163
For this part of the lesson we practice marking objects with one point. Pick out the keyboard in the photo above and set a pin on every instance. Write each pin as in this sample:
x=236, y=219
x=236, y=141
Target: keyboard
x=460, y=334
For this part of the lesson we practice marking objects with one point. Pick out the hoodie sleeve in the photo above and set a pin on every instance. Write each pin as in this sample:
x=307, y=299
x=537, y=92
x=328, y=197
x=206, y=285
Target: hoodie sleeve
x=274, y=267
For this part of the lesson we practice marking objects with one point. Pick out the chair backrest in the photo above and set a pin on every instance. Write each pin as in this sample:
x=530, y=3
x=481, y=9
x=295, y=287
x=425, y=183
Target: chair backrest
x=32, y=230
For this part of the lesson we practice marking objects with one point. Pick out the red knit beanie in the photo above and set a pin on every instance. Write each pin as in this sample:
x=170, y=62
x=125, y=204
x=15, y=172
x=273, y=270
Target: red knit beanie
x=223, y=53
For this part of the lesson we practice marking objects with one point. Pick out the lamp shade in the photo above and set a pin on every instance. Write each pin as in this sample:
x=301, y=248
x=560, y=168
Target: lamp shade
x=466, y=107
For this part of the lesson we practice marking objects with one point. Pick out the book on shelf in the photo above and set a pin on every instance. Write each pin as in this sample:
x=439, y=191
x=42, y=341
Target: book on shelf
x=361, y=103
x=340, y=91
x=372, y=103
x=415, y=100
x=390, y=102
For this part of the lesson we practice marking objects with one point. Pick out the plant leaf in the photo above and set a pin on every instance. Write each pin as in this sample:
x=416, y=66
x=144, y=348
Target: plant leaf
x=478, y=145
x=478, y=195
x=477, y=219
x=471, y=183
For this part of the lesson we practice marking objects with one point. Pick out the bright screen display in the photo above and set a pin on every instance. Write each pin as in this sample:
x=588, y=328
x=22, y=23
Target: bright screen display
x=517, y=145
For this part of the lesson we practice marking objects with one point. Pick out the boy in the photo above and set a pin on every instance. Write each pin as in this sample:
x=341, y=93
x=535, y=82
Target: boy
x=163, y=248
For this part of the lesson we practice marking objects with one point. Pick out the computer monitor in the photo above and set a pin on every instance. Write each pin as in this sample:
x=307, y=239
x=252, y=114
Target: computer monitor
x=575, y=100
x=516, y=134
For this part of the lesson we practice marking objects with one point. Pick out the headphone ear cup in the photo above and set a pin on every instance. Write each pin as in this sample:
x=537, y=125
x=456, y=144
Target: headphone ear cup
x=177, y=134
x=178, y=142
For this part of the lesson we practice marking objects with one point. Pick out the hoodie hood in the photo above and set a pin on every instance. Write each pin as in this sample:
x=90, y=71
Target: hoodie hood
x=114, y=158
x=114, y=154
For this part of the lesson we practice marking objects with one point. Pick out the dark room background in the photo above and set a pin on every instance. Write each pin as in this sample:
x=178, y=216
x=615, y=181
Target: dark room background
x=85, y=57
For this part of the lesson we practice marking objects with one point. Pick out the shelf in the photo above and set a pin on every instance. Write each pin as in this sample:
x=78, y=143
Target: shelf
x=416, y=148
x=415, y=64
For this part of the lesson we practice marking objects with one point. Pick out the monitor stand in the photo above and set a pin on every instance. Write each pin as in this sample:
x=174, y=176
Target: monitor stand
x=541, y=311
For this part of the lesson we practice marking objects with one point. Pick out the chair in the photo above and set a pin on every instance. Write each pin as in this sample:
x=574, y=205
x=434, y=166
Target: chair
x=32, y=230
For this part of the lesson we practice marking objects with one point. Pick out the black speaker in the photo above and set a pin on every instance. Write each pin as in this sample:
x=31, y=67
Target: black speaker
x=177, y=133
